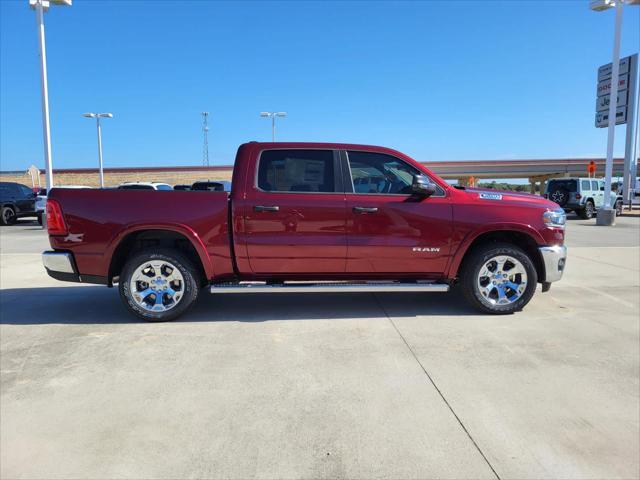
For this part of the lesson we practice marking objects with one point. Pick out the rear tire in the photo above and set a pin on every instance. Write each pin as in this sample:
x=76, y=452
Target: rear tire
x=7, y=216
x=509, y=291
x=587, y=212
x=161, y=265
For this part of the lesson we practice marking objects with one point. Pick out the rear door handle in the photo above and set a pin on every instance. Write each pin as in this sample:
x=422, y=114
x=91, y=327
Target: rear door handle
x=262, y=208
x=365, y=209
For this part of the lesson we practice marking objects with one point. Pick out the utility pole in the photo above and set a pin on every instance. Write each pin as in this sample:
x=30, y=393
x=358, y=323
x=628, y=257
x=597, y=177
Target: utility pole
x=205, y=133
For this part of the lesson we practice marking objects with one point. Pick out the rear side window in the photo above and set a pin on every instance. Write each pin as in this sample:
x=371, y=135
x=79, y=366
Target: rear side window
x=296, y=171
x=569, y=185
x=585, y=185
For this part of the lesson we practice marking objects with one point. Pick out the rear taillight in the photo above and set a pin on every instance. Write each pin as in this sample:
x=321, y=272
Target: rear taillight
x=55, y=220
x=578, y=196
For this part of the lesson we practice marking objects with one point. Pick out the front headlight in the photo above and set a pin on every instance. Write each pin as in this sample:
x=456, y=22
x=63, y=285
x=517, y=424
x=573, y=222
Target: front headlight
x=554, y=218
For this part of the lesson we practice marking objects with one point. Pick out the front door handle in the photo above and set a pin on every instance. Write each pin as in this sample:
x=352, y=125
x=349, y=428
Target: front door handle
x=262, y=208
x=365, y=209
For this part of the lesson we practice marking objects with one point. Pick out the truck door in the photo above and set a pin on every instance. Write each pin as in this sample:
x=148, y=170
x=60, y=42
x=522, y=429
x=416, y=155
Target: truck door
x=388, y=229
x=294, y=213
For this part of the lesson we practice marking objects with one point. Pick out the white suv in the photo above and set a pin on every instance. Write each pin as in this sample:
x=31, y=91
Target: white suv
x=145, y=186
x=582, y=195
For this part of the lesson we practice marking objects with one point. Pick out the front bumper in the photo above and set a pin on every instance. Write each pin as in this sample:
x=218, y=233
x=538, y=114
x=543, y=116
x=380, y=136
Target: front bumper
x=554, y=259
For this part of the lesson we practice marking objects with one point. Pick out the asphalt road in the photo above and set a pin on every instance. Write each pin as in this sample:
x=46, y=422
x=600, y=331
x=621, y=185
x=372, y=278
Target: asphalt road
x=324, y=385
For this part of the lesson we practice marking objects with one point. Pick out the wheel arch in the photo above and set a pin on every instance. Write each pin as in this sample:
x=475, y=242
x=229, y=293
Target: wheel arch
x=526, y=240
x=134, y=240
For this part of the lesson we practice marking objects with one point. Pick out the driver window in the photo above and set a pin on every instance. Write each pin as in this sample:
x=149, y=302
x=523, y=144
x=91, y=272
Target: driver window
x=379, y=173
x=26, y=191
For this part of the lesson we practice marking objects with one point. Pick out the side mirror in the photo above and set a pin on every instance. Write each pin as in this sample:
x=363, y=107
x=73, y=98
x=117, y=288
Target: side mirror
x=602, y=189
x=423, y=186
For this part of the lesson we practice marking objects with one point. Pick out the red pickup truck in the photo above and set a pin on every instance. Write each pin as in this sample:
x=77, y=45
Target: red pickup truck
x=308, y=217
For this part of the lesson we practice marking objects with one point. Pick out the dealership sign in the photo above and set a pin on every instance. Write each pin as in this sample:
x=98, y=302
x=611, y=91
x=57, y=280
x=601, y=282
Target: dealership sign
x=603, y=93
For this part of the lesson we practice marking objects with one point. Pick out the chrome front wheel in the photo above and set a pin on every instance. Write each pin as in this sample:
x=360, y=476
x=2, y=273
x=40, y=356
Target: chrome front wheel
x=502, y=280
x=498, y=278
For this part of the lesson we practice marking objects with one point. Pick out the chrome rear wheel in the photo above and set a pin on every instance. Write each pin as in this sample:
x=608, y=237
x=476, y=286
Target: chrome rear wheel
x=157, y=286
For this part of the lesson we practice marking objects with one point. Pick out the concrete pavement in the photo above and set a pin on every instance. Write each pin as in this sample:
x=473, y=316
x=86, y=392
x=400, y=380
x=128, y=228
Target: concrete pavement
x=324, y=386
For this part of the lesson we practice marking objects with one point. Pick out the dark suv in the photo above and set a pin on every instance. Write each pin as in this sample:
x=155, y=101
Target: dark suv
x=16, y=200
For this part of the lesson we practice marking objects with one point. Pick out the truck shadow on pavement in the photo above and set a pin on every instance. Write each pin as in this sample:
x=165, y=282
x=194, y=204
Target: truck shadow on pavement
x=100, y=305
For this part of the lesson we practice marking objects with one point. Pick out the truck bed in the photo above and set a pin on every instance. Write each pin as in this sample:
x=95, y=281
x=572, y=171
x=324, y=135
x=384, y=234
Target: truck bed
x=99, y=219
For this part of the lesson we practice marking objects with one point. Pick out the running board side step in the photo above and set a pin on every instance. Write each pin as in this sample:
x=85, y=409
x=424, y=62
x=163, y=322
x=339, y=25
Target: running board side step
x=336, y=287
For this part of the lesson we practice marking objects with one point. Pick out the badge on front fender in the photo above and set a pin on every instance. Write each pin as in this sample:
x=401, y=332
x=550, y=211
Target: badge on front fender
x=490, y=196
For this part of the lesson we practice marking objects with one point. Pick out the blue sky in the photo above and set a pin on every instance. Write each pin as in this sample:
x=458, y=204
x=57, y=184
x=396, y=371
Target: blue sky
x=446, y=80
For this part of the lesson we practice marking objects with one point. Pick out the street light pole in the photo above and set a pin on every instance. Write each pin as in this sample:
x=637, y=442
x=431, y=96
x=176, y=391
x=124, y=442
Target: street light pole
x=40, y=6
x=606, y=215
x=273, y=116
x=100, y=152
x=46, y=126
x=615, y=77
x=273, y=128
x=98, y=116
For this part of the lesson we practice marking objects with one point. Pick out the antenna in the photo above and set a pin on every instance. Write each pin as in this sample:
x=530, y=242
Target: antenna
x=205, y=133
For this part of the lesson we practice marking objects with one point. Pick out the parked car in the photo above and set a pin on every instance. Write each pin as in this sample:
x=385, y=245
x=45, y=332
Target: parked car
x=293, y=222
x=144, y=186
x=16, y=201
x=182, y=187
x=41, y=203
x=584, y=196
x=212, y=186
x=635, y=188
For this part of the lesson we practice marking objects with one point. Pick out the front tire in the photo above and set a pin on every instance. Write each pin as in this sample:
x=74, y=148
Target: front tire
x=619, y=205
x=7, y=216
x=158, y=285
x=498, y=278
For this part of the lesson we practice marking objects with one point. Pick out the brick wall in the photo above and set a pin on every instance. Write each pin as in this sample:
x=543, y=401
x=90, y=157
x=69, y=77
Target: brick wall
x=114, y=177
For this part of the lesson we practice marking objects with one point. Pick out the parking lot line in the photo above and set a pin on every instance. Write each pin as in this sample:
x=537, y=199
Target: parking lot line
x=423, y=368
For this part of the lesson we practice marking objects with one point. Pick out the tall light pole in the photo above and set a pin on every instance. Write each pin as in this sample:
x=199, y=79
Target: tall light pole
x=205, y=144
x=273, y=116
x=606, y=215
x=40, y=6
x=98, y=116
